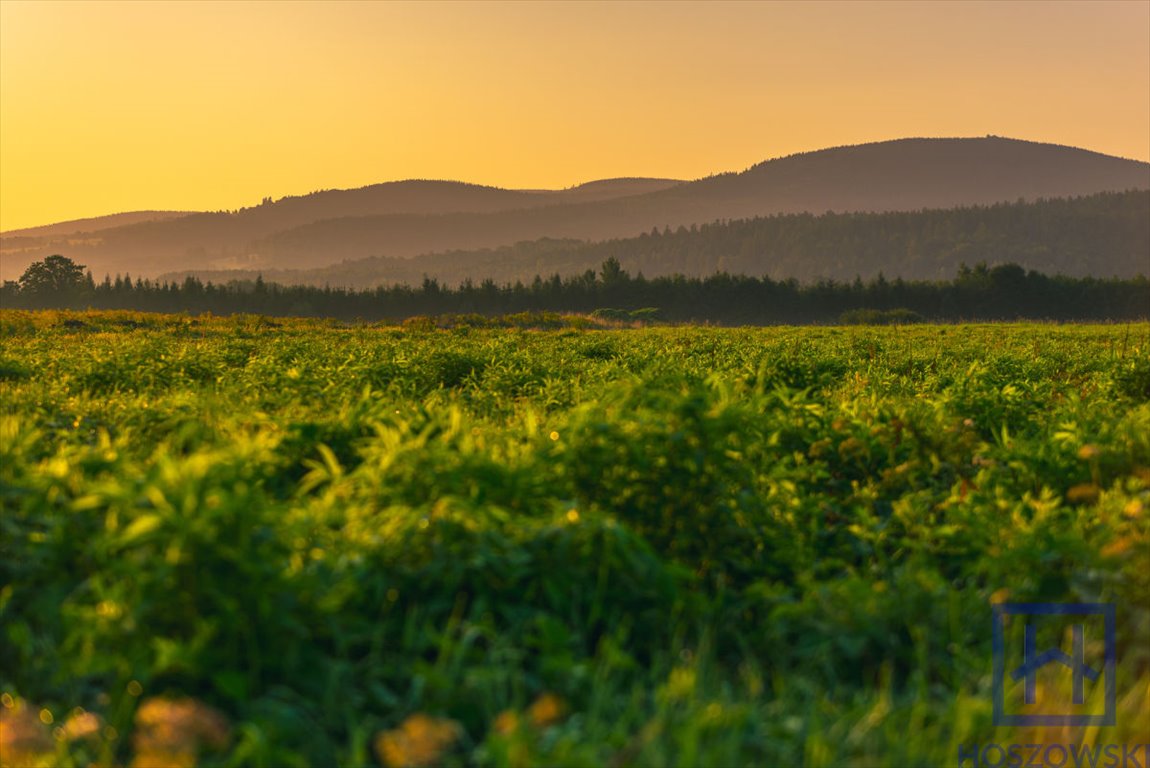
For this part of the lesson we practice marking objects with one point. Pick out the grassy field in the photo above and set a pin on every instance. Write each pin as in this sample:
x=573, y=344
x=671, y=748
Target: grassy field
x=247, y=542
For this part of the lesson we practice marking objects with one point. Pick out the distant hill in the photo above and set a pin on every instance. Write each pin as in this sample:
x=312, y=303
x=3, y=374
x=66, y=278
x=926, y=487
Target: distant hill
x=609, y=189
x=405, y=219
x=1103, y=235
x=134, y=242
x=95, y=224
x=912, y=174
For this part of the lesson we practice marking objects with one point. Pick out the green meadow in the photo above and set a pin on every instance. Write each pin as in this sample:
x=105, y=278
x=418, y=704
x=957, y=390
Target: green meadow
x=261, y=542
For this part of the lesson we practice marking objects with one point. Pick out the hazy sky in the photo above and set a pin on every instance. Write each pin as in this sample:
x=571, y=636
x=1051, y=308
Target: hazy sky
x=108, y=107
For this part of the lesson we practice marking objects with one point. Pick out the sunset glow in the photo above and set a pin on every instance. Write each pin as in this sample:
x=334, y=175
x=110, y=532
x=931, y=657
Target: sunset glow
x=108, y=107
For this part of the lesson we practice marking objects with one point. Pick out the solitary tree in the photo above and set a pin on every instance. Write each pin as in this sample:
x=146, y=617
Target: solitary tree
x=55, y=275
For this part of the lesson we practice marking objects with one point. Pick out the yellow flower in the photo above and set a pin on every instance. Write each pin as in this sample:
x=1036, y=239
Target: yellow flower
x=162, y=759
x=1084, y=493
x=419, y=742
x=24, y=741
x=170, y=733
x=1116, y=547
x=507, y=722
x=547, y=710
x=681, y=685
x=1088, y=452
x=82, y=725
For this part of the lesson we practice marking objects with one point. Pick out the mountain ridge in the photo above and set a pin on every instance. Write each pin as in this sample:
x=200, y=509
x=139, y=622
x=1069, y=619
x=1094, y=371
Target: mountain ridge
x=94, y=223
x=407, y=219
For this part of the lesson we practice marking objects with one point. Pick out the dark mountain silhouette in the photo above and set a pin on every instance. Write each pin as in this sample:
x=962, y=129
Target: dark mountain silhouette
x=1103, y=235
x=407, y=219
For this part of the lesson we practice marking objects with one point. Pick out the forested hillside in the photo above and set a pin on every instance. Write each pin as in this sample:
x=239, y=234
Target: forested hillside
x=1100, y=235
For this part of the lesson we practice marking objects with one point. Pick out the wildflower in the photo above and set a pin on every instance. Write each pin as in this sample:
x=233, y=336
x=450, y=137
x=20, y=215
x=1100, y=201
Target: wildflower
x=160, y=759
x=82, y=725
x=507, y=722
x=1083, y=493
x=172, y=732
x=681, y=685
x=24, y=741
x=1116, y=547
x=1088, y=452
x=419, y=741
x=547, y=710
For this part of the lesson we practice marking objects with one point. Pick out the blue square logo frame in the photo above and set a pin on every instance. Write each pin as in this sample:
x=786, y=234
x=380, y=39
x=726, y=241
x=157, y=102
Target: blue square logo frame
x=1035, y=661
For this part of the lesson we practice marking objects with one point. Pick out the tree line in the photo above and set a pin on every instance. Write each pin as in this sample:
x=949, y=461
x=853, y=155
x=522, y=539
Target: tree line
x=982, y=292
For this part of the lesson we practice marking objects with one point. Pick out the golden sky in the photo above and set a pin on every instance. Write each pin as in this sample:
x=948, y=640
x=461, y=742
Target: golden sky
x=118, y=106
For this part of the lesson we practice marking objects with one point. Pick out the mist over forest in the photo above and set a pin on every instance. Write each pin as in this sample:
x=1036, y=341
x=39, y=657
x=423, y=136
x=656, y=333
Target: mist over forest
x=1103, y=235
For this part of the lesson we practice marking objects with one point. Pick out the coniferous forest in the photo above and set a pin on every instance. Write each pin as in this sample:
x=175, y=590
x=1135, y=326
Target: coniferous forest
x=1002, y=292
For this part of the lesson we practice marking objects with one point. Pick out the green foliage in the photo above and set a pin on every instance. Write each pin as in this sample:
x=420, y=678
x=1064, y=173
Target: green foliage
x=880, y=317
x=684, y=545
x=1133, y=379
